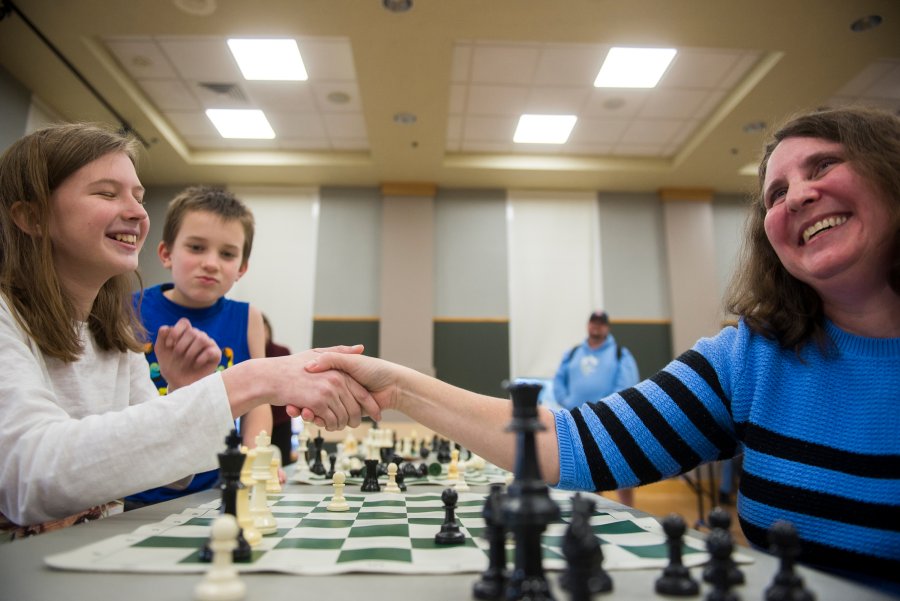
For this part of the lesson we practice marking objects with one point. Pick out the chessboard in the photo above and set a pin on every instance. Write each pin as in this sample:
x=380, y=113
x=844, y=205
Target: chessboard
x=491, y=474
x=382, y=533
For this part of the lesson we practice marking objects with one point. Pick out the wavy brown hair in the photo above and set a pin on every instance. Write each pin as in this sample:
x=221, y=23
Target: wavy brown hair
x=772, y=301
x=30, y=171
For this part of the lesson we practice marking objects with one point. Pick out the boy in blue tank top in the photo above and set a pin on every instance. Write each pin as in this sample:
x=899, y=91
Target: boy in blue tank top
x=207, y=237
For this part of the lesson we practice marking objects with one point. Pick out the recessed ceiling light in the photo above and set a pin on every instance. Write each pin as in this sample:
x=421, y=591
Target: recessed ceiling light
x=268, y=59
x=397, y=6
x=338, y=97
x=246, y=124
x=405, y=118
x=634, y=67
x=197, y=8
x=544, y=129
x=866, y=23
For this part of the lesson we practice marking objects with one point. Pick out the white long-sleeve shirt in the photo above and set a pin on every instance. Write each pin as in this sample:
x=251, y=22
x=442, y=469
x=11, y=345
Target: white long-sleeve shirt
x=77, y=435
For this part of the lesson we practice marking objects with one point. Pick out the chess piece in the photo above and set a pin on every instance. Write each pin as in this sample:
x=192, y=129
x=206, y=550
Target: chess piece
x=318, y=467
x=273, y=484
x=461, y=485
x=528, y=507
x=244, y=515
x=370, y=480
x=453, y=468
x=338, y=502
x=720, y=546
x=302, y=472
x=231, y=461
x=676, y=580
x=391, y=485
x=584, y=575
x=221, y=582
x=259, y=505
x=332, y=459
x=493, y=580
x=450, y=534
x=787, y=584
x=720, y=519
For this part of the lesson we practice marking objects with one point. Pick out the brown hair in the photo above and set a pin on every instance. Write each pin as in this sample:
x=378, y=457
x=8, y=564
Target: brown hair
x=772, y=301
x=30, y=171
x=217, y=201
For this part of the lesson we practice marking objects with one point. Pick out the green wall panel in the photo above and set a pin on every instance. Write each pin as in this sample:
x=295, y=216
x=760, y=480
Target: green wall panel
x=472, y=355
x=650, y=343
x=328, y=332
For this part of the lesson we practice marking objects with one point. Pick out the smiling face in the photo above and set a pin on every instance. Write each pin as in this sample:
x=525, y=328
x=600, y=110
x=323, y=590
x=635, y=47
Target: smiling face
x=97, y=224
x=829, y=226
x=206, y=259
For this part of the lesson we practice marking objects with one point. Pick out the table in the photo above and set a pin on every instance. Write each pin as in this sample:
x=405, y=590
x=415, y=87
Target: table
x=24, y=576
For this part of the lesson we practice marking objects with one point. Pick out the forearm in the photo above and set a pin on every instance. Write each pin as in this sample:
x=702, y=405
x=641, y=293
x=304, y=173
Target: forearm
x=246, y=386
x=259, y=419
x=476, y=421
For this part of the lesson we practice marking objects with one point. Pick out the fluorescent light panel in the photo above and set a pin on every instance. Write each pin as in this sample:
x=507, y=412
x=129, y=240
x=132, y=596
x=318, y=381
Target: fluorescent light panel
x=246, y=124
x=273, y=60
x=634, y=67
x=544, y=129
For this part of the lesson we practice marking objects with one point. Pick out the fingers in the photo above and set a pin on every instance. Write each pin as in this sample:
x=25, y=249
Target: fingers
x=364, y=399
x=355, y=349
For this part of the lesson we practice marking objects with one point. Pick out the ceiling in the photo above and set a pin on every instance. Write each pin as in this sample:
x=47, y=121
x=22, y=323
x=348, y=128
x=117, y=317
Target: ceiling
x=462, y=71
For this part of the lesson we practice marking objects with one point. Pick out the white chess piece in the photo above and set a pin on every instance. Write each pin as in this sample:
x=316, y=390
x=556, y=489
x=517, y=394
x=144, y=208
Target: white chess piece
x=453, y=468
x=273, y=484
x=259, y=500
x=461, y=485
x=221, y=582
x=244, y=516
x=391, y=485
x=338, y=502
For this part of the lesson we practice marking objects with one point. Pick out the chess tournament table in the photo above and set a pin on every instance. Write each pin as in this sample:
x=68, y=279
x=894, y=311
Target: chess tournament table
x=25, y=576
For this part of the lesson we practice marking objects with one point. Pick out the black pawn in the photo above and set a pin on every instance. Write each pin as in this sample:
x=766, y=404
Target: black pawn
x=493, y=580
x=720, y=519
x=424, y=451
x=720, y=546
x=230, y=463
x=676, y=579
x=318, y=467
x=584, y=575
x=787, y=584
x=528, y=507
x=370, y=479
x=450, y=534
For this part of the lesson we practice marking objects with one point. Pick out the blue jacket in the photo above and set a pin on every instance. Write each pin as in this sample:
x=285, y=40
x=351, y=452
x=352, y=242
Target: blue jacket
x=587, y=374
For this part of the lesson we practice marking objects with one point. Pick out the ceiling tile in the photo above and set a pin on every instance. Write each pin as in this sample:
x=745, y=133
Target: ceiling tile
x=327, y=58
x=672, y=104
x=201, y=59
x=142, y=58
x=557, y=101
x=512, y=64
x=496, y=100
x=170, y=94
x=489, y=128
x=651, y=132
x=569, y=65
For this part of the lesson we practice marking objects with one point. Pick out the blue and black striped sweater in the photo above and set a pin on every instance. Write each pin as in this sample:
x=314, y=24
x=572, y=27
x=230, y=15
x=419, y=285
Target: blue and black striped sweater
x=820, y=434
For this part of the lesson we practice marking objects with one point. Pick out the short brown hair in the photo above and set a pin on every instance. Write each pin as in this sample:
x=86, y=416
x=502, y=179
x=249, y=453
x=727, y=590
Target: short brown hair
x=30, y=172
x=211, y=199
x=770, y=299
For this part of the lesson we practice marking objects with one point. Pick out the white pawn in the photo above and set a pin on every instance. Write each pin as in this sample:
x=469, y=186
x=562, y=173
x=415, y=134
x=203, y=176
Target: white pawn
x=461, y=485
x=391, y=485
x=338, y=502
x=221, y=582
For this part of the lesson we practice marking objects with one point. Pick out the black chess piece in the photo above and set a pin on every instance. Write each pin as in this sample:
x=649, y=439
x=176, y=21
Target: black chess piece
x=787, y=584
x=720, y=519
x=409, y=470
x=230, y=463
x=422, y=470
x=332, y=459
x=370, y=479
x=492, y=583
x=318, y=467
x=424, y=451
x=528, y=507
x=450, y=534
x=720, y=546
x=676, y=580
x=584, y=575
x=443, y=453
x=400, y=479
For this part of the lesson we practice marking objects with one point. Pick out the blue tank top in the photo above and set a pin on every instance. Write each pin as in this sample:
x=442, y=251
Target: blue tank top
x=226, y=323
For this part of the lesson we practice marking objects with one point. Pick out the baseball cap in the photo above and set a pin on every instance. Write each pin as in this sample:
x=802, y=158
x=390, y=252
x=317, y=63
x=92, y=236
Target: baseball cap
x=600, y=316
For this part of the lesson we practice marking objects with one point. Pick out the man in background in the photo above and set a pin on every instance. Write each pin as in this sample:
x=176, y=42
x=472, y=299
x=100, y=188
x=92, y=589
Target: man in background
x=594, y=369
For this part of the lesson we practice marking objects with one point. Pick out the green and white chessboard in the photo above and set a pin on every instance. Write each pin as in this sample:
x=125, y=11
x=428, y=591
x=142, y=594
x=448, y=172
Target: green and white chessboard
x=383, y=533
x=491, y=474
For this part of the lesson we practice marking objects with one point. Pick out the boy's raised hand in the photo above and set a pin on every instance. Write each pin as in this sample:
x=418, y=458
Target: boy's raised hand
x=185, y=354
